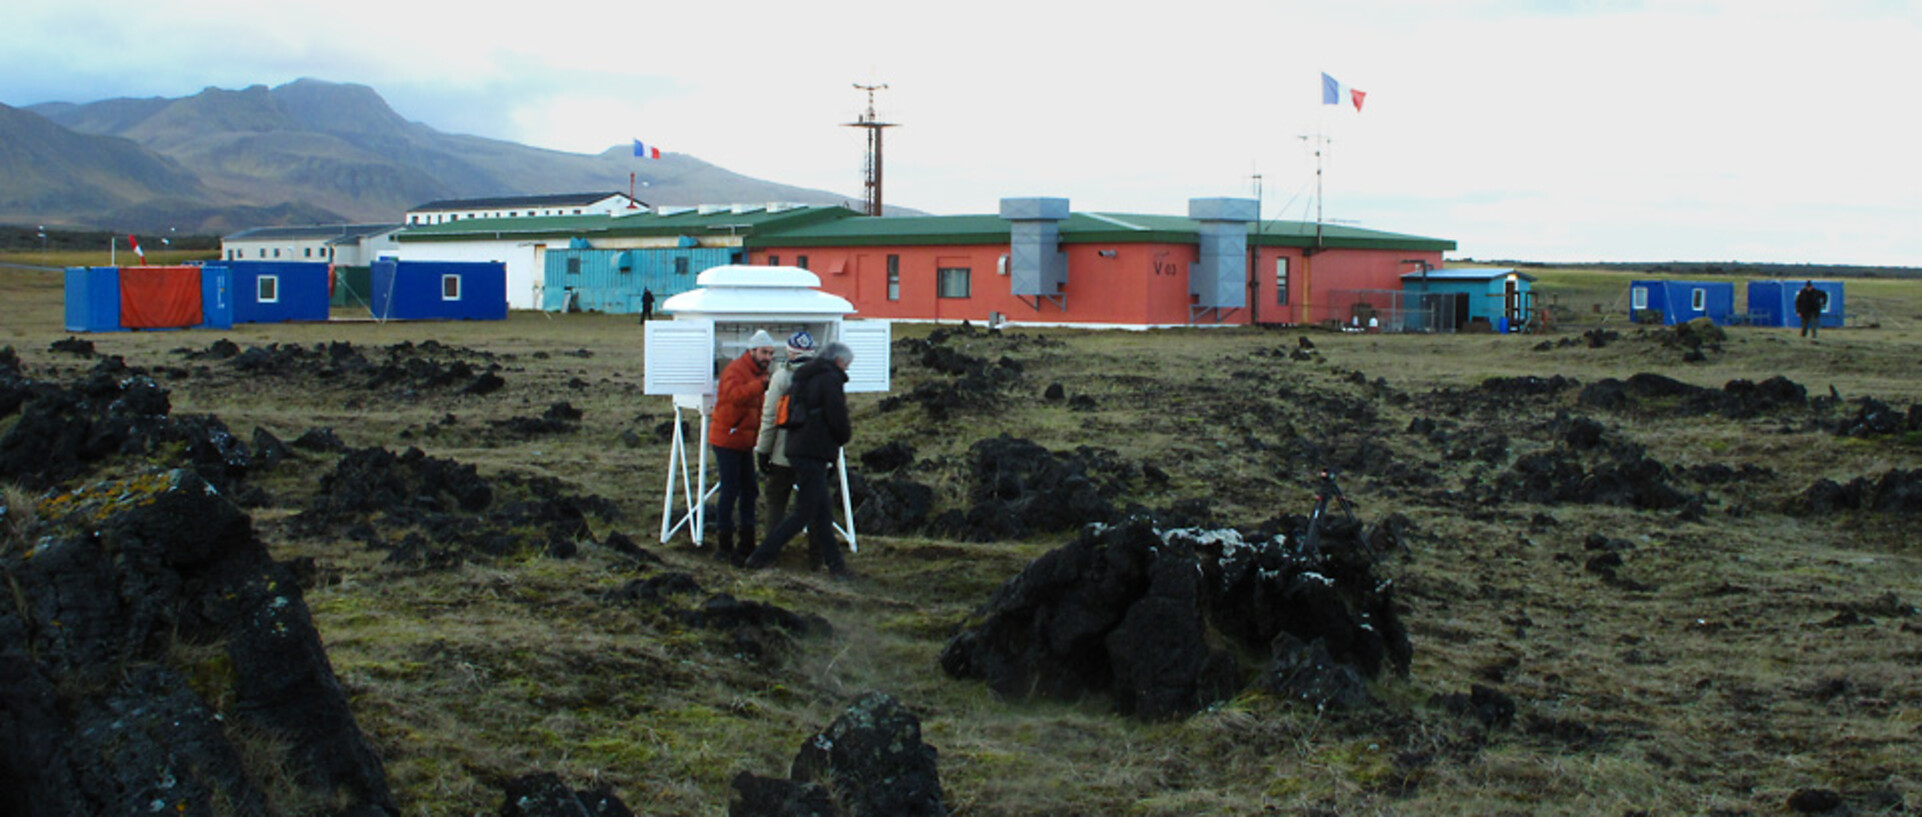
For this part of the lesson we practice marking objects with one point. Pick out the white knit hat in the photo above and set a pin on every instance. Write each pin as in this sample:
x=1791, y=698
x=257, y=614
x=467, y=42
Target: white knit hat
x=761, y=339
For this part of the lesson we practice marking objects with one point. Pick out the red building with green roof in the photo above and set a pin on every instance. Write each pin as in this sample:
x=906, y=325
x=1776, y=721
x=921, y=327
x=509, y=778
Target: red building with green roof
x=1036, y=262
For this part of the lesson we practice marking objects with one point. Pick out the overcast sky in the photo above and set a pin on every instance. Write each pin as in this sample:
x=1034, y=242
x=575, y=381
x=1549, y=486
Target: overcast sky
x=1750, y=130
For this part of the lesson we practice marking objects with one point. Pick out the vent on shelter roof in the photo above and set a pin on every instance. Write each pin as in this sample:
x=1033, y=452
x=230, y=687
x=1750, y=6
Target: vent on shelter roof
x=671, y=209
x=711, y=209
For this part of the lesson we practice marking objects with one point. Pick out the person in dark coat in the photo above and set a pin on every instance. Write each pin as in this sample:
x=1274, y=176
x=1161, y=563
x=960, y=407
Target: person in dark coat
x=819, y=389
x=1809, y=304
x=647, y=305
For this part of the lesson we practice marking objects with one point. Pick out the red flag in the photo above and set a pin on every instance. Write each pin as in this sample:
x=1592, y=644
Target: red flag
x=135, y=243
x=1357, y=95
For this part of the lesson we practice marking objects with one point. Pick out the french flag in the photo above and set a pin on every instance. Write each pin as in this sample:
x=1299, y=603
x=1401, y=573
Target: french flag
x=646, y=151
x=1332, y=92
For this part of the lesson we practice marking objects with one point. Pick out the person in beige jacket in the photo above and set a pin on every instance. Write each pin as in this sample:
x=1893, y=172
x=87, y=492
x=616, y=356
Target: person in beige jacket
x=770, y=448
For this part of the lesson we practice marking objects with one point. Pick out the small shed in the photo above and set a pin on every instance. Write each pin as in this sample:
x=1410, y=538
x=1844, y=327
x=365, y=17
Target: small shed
x=278, y=291
x=1772, y=303
x=1456, y=297
x=1674, y=302
x=439, y=290
x=711, y=327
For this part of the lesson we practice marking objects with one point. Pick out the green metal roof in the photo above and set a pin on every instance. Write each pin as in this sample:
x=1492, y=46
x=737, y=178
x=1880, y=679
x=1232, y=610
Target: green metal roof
x=811, y=226
x=1078, y=228
x=644, y=223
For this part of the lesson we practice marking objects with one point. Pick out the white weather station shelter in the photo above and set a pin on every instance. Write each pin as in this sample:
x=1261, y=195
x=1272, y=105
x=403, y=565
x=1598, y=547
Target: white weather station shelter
x=711, y=327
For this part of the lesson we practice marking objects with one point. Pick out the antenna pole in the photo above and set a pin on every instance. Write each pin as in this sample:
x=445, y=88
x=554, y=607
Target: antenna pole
x=871, y=185
x=1320, y=140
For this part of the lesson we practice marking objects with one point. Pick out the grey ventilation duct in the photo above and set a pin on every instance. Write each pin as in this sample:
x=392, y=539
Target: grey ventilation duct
x=1037, y=268
x=1218, y=282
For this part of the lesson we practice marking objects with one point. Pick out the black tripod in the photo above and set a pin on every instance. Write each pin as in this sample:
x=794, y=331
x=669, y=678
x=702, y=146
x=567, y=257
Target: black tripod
x=1329, y=491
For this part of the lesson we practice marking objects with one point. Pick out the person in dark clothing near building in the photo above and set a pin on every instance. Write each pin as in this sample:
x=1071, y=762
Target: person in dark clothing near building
x=647, y=305
x=819, y=389
x=1809, y=304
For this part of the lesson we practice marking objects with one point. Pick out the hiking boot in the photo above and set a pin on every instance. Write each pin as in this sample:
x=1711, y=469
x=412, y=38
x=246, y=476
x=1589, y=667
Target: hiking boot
x=743, y=549
x=724, y=546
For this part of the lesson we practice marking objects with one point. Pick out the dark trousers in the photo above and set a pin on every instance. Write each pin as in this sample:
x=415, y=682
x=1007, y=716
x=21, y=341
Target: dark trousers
x=738, y=488
x=1811, y=323
x=780, y=486
x=811, y=511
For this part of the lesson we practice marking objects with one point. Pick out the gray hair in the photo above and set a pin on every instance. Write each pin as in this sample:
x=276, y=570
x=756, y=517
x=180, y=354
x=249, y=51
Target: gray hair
x=838, y=352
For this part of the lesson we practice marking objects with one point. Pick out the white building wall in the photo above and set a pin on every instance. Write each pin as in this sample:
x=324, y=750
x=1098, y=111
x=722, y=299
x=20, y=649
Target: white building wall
x=369, y=248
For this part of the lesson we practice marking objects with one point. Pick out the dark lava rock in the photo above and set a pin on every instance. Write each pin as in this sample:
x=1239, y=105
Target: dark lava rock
x=1737, y=399
x=756, y=796
x=870, y=761
x=1491, y=707
x=73, y=346
x=1818, y=801
x=1896, y=491
x=146, y=631
x=63, y=432
x=890, y=506
x=1135, y=613
x=1625, y=477
x=544, y=795
x=450, y=503
x=1017, y=487
x=560, y=418
x=893, y=456
x=320, y=439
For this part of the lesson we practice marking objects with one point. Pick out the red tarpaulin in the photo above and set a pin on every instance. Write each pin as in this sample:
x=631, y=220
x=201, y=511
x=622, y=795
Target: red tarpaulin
x=159, y=297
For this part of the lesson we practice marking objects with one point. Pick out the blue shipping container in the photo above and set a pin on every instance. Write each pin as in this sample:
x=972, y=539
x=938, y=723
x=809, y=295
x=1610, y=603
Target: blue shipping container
x=278, y=291
x=93, y=299
x=1772, y=303
x=216, y=297
x=439, y=290
x=1682, y=301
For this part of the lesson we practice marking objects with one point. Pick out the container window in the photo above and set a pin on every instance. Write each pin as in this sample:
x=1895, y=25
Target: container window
x=894, y=277
x=1281, y=281
x=267, y=289
x=681, y=265
x=1638, y=298
x=450, y=287
x=1698, y=300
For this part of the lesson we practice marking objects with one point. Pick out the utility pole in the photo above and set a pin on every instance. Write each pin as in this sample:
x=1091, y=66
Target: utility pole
x=871, y=186
x=1254, y=262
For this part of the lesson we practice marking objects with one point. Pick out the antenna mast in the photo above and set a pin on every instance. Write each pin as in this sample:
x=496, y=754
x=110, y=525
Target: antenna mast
x=871, y=187
x=1320, y=140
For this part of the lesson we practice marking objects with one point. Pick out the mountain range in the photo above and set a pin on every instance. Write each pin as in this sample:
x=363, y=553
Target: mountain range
x=306, y=152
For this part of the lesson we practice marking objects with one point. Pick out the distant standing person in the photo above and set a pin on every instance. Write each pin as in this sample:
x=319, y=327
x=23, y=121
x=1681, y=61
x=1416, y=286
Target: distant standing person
x=770, y=449
x=733, y=428
x=1809, y=304
x=818, y=388
x=647, y=305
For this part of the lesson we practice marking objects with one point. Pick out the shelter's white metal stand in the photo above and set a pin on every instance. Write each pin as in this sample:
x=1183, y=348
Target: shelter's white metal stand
x=695, y=519
x=695, y=491
x=847, y=501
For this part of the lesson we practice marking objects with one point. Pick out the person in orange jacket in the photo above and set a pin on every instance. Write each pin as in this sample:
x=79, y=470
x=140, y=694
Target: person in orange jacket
x=732, y=430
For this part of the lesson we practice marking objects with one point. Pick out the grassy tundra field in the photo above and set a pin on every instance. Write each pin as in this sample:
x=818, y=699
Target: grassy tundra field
x=1737, y=655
